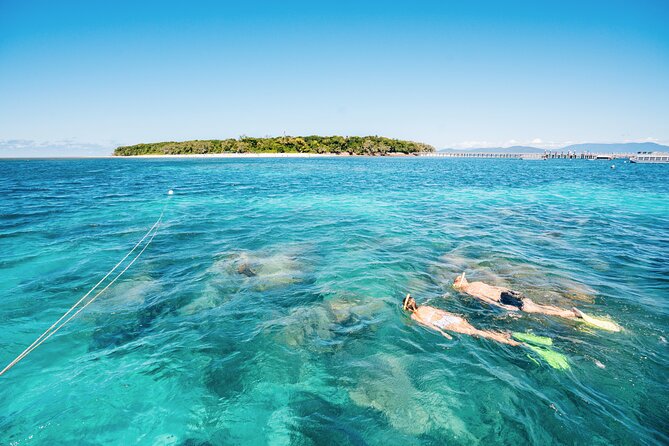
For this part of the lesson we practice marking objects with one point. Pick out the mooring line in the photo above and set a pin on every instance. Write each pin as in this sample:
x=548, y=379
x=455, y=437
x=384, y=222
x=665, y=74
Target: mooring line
x=56, y=326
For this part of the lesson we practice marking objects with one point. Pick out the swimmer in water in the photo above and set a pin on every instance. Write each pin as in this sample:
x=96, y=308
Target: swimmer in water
x=514, y=301
x=507, y=299
x=440, y=320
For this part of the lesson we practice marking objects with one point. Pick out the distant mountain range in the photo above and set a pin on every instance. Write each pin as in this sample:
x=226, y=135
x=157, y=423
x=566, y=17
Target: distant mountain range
x=630, y=147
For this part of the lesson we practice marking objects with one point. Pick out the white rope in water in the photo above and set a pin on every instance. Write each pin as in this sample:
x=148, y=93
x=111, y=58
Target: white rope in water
x=58, y=325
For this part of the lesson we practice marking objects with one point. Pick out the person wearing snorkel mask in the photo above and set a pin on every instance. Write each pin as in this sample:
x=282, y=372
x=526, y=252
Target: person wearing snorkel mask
x=515, y=301
x=440, y=320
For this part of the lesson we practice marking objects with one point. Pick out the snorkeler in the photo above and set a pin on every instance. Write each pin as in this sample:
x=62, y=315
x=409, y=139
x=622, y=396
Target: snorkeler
x=440, y=320
x=514, y=301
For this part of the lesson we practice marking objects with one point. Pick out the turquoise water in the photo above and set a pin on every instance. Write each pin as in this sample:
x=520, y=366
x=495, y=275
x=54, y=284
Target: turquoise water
x=314, y=348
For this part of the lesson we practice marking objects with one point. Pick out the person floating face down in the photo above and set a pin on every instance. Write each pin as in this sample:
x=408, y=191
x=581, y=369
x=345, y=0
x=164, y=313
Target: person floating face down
x=440, y=320
x=515, y=301
x=507, y=299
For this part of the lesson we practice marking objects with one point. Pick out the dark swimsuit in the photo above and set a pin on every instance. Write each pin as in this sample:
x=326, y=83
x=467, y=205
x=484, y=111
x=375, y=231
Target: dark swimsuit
x=513, y=298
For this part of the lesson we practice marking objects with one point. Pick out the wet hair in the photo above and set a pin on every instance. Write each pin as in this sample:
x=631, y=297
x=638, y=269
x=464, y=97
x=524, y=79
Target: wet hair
x=407, y=303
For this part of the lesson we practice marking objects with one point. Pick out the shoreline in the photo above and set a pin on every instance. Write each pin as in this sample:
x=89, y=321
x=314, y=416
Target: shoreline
x=217, y=155
x=264, y=155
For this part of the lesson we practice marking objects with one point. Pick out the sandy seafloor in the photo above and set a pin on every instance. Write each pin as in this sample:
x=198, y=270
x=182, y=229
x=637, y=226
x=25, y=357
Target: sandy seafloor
x=266, y=310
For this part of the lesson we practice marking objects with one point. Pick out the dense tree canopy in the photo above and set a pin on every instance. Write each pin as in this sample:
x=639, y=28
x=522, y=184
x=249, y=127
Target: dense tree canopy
x=353, y=145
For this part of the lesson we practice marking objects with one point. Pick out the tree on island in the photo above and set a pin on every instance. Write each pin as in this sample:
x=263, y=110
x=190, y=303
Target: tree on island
x=353, y=145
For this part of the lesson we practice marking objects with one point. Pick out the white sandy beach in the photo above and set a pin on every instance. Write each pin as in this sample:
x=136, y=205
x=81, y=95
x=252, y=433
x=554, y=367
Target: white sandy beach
x=209, y=156
x=258, y=155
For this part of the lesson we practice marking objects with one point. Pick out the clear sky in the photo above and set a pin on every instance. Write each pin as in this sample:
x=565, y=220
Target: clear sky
x=452, y=74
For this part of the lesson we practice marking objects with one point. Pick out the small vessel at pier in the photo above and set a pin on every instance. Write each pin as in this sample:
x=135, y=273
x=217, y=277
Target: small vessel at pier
x=650, y=157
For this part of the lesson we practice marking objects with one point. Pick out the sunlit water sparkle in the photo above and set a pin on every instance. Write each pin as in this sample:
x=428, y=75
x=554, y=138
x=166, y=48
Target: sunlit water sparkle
x=309, y=345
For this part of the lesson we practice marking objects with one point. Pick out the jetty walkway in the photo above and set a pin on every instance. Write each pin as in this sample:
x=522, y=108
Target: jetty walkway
x=530, y=156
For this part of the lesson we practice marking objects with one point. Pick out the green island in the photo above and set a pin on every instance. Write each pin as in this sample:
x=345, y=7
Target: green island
x=335, y=145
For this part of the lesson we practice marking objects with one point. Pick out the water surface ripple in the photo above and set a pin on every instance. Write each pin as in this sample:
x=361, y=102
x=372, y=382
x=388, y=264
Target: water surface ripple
x=266, y=311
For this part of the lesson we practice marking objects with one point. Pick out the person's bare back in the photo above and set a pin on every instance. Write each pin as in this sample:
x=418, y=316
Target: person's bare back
x=440, y=320
x=488, y=293
x=509, y=299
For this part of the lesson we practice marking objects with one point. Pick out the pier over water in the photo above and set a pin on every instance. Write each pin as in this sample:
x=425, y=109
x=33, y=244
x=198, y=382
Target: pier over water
x=530, y=156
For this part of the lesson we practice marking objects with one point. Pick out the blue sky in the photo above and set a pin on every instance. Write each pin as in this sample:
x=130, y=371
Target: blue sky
x=94, y=74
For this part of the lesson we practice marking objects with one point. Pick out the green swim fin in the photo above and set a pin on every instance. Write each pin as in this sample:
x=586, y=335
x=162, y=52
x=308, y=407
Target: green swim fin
x=597, y=322
x=554, y=359
x=530, y=338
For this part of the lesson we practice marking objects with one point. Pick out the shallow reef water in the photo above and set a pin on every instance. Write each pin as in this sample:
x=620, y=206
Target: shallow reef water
x=267, y=308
